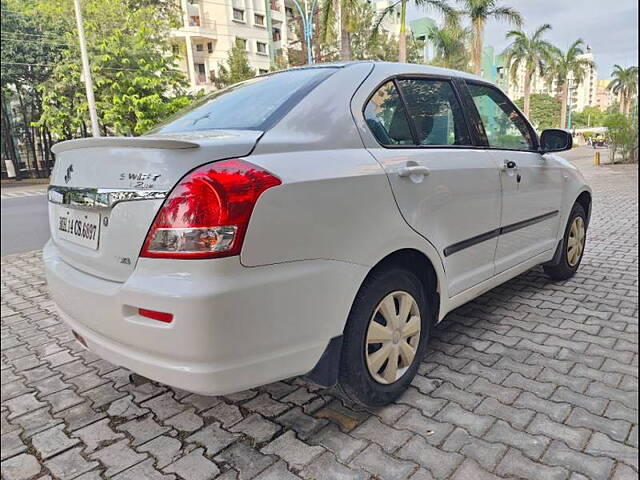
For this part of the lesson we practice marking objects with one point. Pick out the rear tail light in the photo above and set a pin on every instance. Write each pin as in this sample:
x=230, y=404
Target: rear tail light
x=206, y=215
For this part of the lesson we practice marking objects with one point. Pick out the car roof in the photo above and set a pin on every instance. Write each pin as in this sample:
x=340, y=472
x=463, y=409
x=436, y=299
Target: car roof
x=398, y=68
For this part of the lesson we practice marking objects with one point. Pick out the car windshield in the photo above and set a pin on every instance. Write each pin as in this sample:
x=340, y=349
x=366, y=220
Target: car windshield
x=254, y=104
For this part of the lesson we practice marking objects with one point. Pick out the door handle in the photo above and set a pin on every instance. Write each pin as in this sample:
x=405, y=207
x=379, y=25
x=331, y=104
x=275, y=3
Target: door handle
x=509, y=165
x=412, y=170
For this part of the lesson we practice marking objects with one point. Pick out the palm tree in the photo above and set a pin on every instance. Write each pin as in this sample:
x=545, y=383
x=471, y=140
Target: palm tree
x=450, y=44
x=479, y=11
x=565, y=66
x=438, y=5
x=533, y=52
x=625, y=84
x=345, y=10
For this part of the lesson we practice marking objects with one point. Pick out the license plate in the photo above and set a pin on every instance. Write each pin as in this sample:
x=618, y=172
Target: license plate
x=79, y=227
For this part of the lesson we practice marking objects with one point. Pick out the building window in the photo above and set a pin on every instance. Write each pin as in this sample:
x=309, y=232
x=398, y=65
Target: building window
x=238, y=15
x=199, y=47
x=258, y=19
x=201, y=73
x=242, y=43
x=210, y=47
x=261, y=47
x=277, y=35
x=175, y=49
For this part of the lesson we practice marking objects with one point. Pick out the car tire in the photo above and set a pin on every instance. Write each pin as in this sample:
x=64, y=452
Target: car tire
x=570, y=259
x=385, y=287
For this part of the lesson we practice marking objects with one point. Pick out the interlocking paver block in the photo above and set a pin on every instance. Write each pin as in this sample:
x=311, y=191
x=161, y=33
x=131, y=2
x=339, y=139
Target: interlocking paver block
x=117, y=457
x=325, y=467
x=142, y=429
x=164, y=449
x=247, y=461
x=376, y=462
x=97, y=434
x=296, y=453
x=213, y=438
x=440, y=463
x=194, y=466
x=514, y=464
x=69, y=464
x=21, y=467
x=52, y=441
x=590, y=465
x=343, y=446
x=387, y=437
x=259, y=429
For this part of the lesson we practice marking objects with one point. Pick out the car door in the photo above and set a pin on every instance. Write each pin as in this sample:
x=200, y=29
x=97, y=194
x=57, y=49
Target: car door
x=446, y=189
x=532, y=185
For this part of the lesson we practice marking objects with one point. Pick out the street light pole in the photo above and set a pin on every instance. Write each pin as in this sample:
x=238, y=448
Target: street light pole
x=307, y=25
x=88, y=83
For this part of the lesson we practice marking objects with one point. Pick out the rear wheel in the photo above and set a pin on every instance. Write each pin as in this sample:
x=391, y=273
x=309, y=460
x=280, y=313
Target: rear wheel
x=385, y=337
x=573, y=244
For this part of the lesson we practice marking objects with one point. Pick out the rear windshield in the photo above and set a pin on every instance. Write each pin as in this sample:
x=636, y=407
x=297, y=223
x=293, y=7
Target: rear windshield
x=255, y=104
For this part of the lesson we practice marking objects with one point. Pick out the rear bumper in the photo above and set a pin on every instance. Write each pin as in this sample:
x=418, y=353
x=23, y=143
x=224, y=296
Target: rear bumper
x=233, y=327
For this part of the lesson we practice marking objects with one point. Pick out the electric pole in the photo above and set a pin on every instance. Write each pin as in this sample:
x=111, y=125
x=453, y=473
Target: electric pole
x=88, y=83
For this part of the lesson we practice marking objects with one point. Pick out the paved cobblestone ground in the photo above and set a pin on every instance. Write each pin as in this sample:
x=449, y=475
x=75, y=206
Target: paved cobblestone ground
x=534, y=379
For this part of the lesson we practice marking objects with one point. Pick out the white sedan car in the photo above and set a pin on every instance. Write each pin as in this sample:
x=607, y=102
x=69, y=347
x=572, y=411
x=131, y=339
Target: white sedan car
x=314, y=221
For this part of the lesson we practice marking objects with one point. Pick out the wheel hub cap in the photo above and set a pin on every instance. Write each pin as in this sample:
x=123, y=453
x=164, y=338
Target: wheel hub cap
x=393, y=335
x=575, y=242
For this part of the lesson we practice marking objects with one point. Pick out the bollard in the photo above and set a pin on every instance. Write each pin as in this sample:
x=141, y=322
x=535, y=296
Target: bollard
x=597, y=159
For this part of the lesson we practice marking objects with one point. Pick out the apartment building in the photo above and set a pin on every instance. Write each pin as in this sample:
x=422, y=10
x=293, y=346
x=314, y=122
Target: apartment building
x=210, y=28
x=604, y=97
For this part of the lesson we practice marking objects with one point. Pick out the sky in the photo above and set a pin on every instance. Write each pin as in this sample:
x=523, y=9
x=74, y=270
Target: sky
x=609, y=27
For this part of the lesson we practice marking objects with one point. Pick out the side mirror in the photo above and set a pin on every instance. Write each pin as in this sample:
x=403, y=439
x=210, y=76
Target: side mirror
x=555, y=140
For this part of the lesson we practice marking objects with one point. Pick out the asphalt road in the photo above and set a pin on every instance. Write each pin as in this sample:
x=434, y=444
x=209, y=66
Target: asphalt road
x=24, y=223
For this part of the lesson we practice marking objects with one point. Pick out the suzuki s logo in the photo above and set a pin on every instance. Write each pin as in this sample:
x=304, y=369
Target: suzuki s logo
x=67, y=176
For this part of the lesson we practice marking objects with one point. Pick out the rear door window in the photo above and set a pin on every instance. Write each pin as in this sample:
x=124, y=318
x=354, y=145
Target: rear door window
x=386, y=117
x=435, y=112
x=255, y=104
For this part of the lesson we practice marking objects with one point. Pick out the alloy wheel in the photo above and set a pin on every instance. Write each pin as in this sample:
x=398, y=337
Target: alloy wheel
x=575, y=242
x=392, y=337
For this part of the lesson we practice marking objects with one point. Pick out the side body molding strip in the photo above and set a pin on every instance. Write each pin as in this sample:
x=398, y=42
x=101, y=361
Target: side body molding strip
x=456, y=247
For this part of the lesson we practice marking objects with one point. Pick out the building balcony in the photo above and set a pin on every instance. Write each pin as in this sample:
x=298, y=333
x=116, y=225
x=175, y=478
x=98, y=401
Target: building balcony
x=197, y=26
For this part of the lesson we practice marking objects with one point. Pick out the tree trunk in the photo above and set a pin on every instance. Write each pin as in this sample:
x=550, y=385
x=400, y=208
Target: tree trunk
x=7, y=135
x=402, y=41
x=527, y=91
x=476, y=49
x=565, y=100
x=623, y=101
x=345, y=36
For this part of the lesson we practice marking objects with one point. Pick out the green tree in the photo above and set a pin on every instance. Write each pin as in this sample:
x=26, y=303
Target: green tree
x=30, y=49
x=237, y=68
x=544, y=111
x=625, y=84
x=133, y=68
x=532, y=52
x=567, y=65
x=450, y=44
x=440, y=6
x=623, y=137
x=588, y=117
x=479, y=11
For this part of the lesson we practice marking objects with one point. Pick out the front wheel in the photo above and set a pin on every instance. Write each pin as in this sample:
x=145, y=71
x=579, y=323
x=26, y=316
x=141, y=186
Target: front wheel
x=573, y=244
x=385, y=337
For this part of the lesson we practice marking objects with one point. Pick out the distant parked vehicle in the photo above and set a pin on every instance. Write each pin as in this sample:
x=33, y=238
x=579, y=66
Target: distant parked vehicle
x=317, y=221
x=599, y=142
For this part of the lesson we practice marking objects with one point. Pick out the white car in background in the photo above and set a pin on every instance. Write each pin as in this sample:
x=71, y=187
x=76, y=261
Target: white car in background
x=314, y=221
